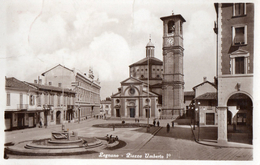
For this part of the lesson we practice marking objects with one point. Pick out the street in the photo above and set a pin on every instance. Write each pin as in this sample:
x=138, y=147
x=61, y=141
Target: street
x=178, y=144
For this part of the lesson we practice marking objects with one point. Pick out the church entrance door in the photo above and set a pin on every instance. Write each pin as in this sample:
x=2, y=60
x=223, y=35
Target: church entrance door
x=132, y=112
x=117, y=113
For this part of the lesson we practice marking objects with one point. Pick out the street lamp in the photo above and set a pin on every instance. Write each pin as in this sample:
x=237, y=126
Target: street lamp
x=199, y=121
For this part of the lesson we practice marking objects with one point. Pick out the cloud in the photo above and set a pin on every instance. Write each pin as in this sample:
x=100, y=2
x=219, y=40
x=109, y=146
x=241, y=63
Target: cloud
x=110, y=55
x=145, y=22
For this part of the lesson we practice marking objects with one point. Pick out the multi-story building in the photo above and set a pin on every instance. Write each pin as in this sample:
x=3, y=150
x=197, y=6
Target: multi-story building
x=105, y=107
x=29, y=103
x=87, y=102
x=235, y=60
x=57, y=103
x=21, y=108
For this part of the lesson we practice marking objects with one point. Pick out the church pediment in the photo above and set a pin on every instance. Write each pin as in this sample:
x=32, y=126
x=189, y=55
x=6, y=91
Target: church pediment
x=131, y=80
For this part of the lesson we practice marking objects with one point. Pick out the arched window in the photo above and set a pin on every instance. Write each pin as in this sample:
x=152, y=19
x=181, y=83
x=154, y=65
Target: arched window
x=171, y=27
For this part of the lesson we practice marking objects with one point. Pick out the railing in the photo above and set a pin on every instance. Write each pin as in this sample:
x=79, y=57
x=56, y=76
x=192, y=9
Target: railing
x=22, y=106
x=70, y=106
x=46, y=106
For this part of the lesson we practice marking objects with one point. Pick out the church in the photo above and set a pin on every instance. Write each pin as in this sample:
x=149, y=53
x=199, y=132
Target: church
x=155, y=88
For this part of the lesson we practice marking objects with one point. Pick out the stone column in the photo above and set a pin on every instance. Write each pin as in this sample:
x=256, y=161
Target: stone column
x=222, y=124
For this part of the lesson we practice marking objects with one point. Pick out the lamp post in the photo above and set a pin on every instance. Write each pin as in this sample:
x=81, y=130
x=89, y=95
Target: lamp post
x=79, y=114
x=199, y=121
x=194, y=115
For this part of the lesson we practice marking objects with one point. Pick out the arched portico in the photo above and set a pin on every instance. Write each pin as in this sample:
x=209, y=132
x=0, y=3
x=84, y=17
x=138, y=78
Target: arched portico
x=235, y=118
x=240, y=106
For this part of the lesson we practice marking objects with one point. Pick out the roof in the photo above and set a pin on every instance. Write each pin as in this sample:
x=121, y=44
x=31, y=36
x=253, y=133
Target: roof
x=56, y=67
x=203, y=84
x=171, y=16
x=76, y=72
x=51, y=88
x=17, y=84
x=144, y=61
x=150, y=44
x=132, y=80
x=189, y=93
x=208, y=96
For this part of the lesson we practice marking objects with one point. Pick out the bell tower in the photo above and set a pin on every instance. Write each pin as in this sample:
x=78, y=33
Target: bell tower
x=173, y=77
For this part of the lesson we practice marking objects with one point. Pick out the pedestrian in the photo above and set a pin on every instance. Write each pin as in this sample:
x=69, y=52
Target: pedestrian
x=154, y=122
x=172, y=124
x=168, y=127
x=113, y=127
x=158, y=123
x=107, y=137
x=41, y=122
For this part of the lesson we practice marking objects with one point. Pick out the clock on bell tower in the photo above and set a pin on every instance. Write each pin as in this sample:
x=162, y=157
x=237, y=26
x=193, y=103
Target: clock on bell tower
x=173, y=77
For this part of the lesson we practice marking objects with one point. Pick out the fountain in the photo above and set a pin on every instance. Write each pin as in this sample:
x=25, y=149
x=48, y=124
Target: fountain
x=61, y=142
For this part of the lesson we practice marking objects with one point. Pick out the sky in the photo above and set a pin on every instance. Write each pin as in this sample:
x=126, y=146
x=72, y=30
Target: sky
x=107, y=35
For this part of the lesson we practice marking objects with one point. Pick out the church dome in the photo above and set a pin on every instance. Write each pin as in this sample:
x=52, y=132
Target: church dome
x=150, y=44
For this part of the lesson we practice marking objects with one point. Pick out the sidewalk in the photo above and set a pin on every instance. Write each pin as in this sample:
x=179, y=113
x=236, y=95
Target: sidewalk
x=207, y=135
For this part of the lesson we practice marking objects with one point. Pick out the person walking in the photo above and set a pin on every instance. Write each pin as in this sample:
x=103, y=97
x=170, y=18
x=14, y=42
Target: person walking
x=158, y=123
x=172, y=124
x=168, y=127
x=154, y=122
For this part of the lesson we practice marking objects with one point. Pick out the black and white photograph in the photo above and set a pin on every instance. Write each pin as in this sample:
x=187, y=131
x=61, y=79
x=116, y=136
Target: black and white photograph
x=145, y=81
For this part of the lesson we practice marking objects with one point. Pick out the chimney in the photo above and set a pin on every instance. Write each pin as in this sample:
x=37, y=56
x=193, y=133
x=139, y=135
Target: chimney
x=49, y=83
x=35, y=81
x=40, y=81
x=204, y=79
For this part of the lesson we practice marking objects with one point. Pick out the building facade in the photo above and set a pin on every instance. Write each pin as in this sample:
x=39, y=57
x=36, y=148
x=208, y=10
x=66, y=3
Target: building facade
x=235, y=59
x=87, y=102
x=57, y=103
x=173, y=81
x=21, y=108
x=105, y=107
x=205, y=103
x=134, y=100
x=29, y=103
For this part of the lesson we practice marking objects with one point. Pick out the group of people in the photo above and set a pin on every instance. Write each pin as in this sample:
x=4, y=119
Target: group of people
x=100, y=116
x=154, y=123
x=111, y=139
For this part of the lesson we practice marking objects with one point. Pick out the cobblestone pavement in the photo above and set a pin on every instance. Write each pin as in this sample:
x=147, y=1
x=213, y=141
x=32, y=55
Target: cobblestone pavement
x=172, y=146
x=178, y=144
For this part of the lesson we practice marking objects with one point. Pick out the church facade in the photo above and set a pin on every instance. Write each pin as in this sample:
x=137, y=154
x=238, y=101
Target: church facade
x=155, y=88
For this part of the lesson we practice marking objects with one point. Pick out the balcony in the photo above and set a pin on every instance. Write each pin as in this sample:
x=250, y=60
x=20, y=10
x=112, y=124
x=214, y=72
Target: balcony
x=22, y=106
x=70, y=106
x=46, y=106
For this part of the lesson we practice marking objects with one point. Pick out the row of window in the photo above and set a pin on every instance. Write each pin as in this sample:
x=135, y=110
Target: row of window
x=239, y=38
x=146, y=70
x=47, y=99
